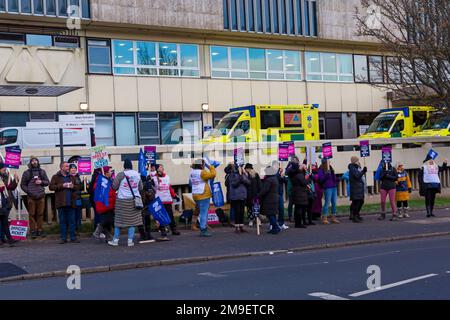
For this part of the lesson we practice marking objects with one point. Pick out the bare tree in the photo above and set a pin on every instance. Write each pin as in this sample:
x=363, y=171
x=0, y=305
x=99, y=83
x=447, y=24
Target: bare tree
x=415, y=36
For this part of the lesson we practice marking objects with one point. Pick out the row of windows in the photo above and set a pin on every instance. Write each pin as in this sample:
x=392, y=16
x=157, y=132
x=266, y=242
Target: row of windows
x=54, y=8
x=44, y=40
x=290, y=17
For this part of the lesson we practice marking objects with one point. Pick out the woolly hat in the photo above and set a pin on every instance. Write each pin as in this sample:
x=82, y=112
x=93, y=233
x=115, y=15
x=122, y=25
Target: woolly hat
x=354, y=159
x=248, y=166
x=127, y=164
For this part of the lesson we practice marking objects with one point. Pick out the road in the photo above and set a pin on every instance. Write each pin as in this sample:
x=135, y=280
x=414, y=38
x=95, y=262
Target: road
x=416, y=269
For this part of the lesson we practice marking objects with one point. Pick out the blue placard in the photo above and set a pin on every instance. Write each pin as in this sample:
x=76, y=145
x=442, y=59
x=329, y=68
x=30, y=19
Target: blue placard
x=218, y=198
x=432, y=154
x=159, y=213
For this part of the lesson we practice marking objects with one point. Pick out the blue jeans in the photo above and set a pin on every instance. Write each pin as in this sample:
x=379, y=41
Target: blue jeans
x=290, y=206
x=67, y=217
x=330, y=195
x=131, y=231
x=78, y=214
x=281, y=210
x=273, y=222
x=203, y=206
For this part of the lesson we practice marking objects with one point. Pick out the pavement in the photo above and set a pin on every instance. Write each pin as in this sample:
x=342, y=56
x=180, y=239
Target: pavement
x=411, y=270
x=46, y=258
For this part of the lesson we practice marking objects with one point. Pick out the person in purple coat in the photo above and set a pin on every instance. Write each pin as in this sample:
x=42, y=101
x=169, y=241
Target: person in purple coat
x=329, y=181
x=316, y=208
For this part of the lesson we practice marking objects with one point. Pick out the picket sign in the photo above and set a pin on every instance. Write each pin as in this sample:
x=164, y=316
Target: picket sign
x=19, y=227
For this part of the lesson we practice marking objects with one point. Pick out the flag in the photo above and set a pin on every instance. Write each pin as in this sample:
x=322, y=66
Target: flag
x=142, y=164
x=378, y=172
x=159, y=213
x=101, y=192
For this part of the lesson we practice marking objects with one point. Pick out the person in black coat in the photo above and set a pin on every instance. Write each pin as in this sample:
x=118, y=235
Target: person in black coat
x=300, y=181
x=430, y=183
x=252, y=191
x=357, y=188
x=388, y=178
x=269, y=198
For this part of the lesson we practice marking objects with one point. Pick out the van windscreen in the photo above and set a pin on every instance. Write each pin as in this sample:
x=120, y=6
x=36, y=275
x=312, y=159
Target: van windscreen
x=436, y=123
x=382, y=123
x=226, y=124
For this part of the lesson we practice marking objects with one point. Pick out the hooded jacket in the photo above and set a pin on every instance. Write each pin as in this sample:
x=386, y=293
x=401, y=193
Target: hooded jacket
x=6, y=195
x=356, y=181
x=28, y=184
x=269, y=195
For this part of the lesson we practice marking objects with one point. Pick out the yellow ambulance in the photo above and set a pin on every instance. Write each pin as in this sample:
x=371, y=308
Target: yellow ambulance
x=260, y=123
x=398, y=122
x=438, y=125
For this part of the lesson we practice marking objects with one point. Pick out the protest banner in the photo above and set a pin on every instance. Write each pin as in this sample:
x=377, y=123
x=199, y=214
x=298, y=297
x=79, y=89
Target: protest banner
x=327, y=151
x=364, y=148
x=18, y=229
x=159, y=213
x=291, y=149
x=386, y=154
x=212, y=217
x=13, y=157
x=432, y=154
x=218, y=198
x=150, y=154
x=239, y=159
x=84, y=166
x=100, y=157
x=283, y=151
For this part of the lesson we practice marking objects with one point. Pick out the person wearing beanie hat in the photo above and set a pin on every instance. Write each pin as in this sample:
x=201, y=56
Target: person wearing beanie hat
x=357, y=181
x=7, y=186
x=33, y=183
x=128, y=185
x=430, y=183
x=403, y=189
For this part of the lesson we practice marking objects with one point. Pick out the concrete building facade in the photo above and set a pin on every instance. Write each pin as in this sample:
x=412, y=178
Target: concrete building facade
x=149, y=67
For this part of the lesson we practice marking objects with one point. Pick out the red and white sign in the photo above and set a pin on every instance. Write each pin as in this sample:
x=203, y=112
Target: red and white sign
x=19, y=229
x=212, y=217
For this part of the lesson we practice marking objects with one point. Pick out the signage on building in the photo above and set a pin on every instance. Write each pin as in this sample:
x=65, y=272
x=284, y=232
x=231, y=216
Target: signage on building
x=77, y=121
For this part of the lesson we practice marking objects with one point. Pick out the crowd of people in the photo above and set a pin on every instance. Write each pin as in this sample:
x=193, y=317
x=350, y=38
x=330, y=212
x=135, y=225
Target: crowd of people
x=311, y=193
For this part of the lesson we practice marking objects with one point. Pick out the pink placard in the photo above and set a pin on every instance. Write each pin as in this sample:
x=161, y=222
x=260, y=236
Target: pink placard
x=13, y=158
x=327, y=151
x=212, y=217
x=84, y=166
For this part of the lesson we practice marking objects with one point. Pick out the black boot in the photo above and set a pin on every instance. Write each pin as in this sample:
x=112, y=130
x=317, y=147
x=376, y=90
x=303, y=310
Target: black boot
x=175, y=232
x=428, y=211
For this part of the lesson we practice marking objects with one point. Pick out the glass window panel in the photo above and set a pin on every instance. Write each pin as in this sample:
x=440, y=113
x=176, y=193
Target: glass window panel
x=276, y=76
x=270, y=119
x=258, y=75
x=38, y=6
x=219, y=57
x=290, y=76
x=226, y=21
x=275, y=58
x=123, y=52
x=168, y=72
x=346, y=78
x=312, y=62
x=39, y=40
x=306, y=18
x=239, y=58
x=234, y=25
x=275, y=11
x=170, y=125
x=290, y=8
x=62, y=5
x=329, y=62
x=189, y=73
x=313, y=77
x=12, y=38
x=2, y=5
x=148, y=128
x=361, y=72
x=220, y=74
x=147, y=71
x=299, y=16
x=13, y=5
x=104, y=131
x=259, y=16
x=251, y=18
x=99, y=55
x=283, y=16
x=120, y=70
x=125, y=131
x=146, y=53
x=85, y=9
x=236, y=74
x=407, y=71
x=345, y=63
x=257, y=59
x=13, y=119
x=267, y=16
x=99, y=69
x=330, y=78
x=25, y=6
x=292, y=61
x=168, y=54
x=393, y=67
x=376, y=69
x=243, y=20
x=189, y=55
x=314, y=19
x=51, y=7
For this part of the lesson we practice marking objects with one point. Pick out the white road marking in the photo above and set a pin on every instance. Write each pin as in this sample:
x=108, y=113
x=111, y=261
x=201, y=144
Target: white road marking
x=274, y=267
x=212, y=275
x=326, y=296
x=368, y=256
x=447, y=271
x=392, y=285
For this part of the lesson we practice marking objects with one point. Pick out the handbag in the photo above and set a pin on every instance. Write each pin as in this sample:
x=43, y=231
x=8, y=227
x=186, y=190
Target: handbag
x=137, y=200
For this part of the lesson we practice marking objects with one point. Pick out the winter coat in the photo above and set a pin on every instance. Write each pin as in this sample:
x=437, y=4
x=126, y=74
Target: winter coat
x=317, y=204
x=253, y=188
x=6, y=194
x=28, y=182
x=388, y=177
x=206, y=175
x=238, y=186
x=56, y=185
x=300, y=188
x=424, y=186
x=327, y=178
x=268, y=196
x=356, y=181
x=100, y=206
x=403, y=186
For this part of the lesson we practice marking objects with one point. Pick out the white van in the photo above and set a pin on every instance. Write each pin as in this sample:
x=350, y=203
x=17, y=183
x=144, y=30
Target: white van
x=38, y=138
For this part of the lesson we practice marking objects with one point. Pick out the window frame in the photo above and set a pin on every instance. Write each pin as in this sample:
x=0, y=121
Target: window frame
x=141, y=118
x=44, y=9
x=108, y=41
x=323, y=74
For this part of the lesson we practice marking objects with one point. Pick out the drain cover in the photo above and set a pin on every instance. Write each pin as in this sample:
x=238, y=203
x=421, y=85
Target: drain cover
x=10, y=270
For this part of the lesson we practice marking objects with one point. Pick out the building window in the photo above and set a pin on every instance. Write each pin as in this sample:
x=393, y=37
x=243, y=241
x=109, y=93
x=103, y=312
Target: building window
x=104, y=129
x=361, y=71
x=170, y=123
x=393, y=70
x=45, y=40
x=13, y=119
x=376, y=69
x=252, y=63
x=39, y=40
x=192, y=127
x=321, y=66
x=12, y=38
x=152, y=58
x=42, y=116
x=66, y=42
x=271, y=16
x=99, y=56
x=125, y=128
x=148, y=128
x=46, y=7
